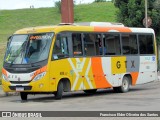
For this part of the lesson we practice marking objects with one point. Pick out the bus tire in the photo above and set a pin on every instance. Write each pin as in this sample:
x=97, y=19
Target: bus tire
x=90, y=91
x=23, y=95
x=124, y=87
x=59, y=93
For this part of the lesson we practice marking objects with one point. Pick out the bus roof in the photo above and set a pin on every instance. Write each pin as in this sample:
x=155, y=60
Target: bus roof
x=74, y=27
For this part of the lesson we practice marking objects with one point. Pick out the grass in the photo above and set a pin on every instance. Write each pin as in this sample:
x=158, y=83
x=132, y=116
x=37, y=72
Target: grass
x=12, y=20
x=104, y=11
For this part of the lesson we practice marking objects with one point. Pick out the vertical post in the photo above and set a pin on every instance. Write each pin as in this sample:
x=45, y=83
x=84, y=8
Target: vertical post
x=146, y=16
x=67, y=14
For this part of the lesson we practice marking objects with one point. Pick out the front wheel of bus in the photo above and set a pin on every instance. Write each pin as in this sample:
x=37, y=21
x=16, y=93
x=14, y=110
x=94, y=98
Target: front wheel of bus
x=59, y=93
x=23, y=95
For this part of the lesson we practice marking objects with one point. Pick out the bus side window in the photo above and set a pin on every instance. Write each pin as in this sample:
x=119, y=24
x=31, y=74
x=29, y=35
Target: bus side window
x=89, y=44
x=98, y=44
x=77, y=44
x=150, y=43
x=146, y=44
x=112, y=44
x=133, y=44
x=64, y=46
x=129, y=44
x=60, y=49
x=100, y=52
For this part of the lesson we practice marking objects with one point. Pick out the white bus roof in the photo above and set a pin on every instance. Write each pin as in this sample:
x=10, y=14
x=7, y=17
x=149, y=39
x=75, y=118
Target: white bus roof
x=100, y=24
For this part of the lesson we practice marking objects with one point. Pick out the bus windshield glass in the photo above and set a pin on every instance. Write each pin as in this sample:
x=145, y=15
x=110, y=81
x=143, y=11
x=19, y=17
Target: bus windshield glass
x=27, y=49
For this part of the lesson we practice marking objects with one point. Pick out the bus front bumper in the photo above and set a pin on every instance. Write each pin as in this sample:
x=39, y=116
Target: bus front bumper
x=38, y=86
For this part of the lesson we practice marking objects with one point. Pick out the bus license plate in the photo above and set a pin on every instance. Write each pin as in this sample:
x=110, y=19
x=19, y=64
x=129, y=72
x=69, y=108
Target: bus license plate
x=19, y=88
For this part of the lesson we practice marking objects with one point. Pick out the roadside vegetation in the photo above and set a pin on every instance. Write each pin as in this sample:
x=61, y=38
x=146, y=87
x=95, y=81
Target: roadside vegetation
x=132, y=12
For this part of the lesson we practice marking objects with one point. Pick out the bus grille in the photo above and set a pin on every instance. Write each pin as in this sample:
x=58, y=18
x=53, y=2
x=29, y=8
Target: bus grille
x=20, y=82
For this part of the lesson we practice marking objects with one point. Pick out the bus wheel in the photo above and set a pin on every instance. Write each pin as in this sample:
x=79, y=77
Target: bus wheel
x=125, y=86
x=90, y=91
x=23, y=95
x=59, y=93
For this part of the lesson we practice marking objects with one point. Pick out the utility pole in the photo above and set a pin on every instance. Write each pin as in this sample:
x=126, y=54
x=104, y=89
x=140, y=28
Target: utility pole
x=67, y=13
x=146, y=15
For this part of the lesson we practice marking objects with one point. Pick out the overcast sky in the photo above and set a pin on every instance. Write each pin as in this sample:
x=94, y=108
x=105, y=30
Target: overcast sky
x=19, y=4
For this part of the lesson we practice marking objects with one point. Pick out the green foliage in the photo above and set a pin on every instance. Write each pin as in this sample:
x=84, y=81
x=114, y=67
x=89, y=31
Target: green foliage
x=100, y=1
x=132, y=12
x=156, y=5
x=58, y=6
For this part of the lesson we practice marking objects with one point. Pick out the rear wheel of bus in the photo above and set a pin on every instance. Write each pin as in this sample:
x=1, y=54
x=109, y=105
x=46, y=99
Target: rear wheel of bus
x=23, y=95
x=59, y=93
x=124, y=87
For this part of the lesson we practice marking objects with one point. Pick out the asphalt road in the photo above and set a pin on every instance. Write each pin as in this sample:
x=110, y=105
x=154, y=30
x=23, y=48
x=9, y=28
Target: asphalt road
x=144, y=97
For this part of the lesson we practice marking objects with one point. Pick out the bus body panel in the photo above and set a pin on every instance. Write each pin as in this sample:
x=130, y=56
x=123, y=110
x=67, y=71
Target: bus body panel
x=147, y=69
x=26, y=79
x=94, y=72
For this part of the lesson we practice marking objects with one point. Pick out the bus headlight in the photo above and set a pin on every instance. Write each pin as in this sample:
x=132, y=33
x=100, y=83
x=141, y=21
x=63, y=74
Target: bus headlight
x=5, y=78
x=39, y=76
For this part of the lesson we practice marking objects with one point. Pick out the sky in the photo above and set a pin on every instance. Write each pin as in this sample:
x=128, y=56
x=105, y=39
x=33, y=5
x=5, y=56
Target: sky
x=20, y=4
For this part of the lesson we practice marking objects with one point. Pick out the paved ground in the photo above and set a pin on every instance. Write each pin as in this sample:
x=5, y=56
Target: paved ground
x=141, y=97
x=144, y=97
x=3, y=94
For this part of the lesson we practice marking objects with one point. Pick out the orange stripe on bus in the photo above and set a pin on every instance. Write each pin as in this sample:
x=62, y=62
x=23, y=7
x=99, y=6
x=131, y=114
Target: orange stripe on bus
x=106, y=29
x=4, y=72
x=41, y=70
x=134, y=77
x=100, y=80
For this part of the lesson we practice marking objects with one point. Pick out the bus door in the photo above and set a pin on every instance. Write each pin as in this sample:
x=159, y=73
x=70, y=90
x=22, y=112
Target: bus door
x=59, y=67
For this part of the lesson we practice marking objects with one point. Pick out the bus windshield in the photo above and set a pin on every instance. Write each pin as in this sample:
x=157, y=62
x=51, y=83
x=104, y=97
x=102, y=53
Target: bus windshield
x=27, y=49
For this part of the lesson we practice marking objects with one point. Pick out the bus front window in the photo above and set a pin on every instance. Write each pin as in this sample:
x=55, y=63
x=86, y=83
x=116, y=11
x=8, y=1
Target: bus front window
x=26, y=49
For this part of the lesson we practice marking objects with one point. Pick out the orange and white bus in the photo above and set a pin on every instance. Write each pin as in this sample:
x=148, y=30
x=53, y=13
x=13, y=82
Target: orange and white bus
x=63, y=58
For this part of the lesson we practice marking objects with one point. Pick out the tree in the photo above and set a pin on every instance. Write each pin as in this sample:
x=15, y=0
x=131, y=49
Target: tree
x=58, y=6
x=100, y=1
x=132, y=12
x=156, y=4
